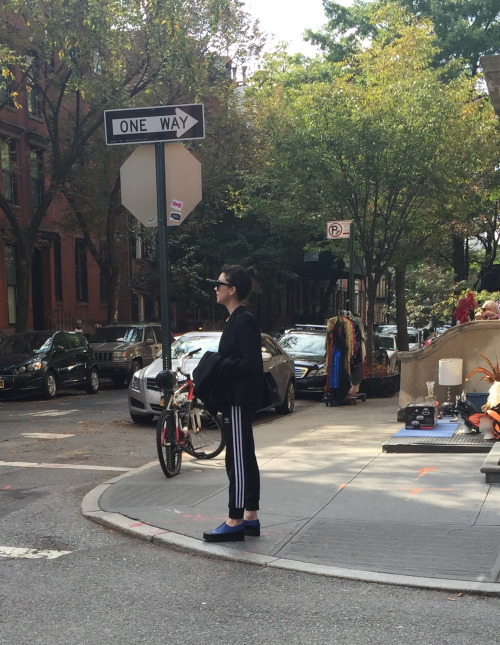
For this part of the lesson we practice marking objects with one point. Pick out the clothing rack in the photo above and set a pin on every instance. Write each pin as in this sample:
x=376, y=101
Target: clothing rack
x=344, y=360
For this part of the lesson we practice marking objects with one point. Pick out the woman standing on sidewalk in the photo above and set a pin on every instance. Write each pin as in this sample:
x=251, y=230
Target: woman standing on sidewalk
x=241, y=383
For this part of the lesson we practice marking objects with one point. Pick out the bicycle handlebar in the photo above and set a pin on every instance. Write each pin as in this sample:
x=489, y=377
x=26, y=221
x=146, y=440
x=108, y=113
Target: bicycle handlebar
x=183, y=360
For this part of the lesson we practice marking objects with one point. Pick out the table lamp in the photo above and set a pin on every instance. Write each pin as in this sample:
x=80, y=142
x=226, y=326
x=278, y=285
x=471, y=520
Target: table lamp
x=450, y=374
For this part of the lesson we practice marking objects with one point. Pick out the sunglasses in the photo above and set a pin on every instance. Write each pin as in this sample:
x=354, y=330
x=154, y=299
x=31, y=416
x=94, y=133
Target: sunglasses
x=219, y=283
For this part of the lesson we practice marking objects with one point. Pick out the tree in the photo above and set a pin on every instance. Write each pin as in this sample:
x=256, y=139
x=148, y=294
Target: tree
x=464, y=30
x=377, y=138
x=85, y=57
x=463, y=33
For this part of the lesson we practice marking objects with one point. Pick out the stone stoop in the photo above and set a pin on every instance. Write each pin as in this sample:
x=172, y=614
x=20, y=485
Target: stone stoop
x=491, y=465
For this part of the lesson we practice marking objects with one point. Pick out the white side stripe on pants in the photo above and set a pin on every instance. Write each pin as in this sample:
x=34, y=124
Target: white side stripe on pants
x=239, y=468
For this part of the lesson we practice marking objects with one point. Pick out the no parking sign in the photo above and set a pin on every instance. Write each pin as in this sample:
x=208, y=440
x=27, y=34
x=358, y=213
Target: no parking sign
x=339, y=230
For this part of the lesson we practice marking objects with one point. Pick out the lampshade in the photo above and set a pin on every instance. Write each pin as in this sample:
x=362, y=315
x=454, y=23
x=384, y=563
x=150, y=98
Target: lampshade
x=450, y=371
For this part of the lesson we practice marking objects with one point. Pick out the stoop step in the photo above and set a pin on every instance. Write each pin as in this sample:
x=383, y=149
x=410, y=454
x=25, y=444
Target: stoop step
x=491, y=465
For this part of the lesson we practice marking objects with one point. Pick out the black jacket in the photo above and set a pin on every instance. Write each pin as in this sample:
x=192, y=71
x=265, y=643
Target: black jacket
x=240, y=379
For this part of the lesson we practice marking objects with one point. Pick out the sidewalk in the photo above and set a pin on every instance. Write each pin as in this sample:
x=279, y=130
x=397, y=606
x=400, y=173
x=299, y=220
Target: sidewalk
x=332, y=504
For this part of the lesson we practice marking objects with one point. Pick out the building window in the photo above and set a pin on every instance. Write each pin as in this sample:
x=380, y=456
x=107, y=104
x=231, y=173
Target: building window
x=9, y=176
x=6, y=89
x=57, y=269
x=81, y=271
x=35, y=101
x=33, y=89
x=11, y=274
x=37, y=178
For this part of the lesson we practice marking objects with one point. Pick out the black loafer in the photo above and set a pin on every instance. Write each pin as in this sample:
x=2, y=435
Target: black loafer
x=225, y=533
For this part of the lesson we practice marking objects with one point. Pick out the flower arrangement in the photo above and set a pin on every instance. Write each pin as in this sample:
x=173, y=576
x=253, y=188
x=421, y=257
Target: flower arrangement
x=492, y=375
x=466, y=308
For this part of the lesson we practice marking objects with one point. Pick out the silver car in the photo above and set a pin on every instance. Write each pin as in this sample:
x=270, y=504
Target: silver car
x=144, y=394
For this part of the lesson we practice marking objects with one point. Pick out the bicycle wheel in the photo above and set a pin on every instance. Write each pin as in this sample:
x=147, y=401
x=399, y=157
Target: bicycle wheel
x=169, y=453
x=205, y=434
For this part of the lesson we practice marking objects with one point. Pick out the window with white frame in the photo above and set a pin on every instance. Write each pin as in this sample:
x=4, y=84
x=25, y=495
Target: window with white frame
x=11, y=278
x=33, y=90
x=37, y=178
x=8, y=158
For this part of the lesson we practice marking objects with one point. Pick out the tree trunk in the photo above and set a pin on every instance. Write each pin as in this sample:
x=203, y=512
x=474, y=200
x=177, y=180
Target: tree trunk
x=402, y=340
x=371, y=294
x=460, y=260
x=25, y=258
x=113, y=294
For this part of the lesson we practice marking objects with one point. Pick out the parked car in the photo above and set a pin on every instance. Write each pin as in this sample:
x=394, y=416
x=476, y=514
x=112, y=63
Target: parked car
x=387, y=341
x=122, y=349
x=415, y=336
x=144, y=394
x=306, y=344
x=44, y=361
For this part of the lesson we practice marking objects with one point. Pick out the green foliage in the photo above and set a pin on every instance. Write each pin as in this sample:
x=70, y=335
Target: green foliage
x=372, y=134
x=371, y=141
x=464, y=30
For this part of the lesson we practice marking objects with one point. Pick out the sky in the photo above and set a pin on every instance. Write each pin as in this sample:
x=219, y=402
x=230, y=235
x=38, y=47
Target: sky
x=287, y=19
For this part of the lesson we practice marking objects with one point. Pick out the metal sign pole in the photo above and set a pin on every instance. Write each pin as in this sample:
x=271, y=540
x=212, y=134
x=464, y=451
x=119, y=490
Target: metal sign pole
x=161, y=209
x=351, y=268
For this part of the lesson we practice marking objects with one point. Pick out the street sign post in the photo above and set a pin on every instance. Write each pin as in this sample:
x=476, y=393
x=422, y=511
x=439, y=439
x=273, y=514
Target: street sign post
x=159, y=187
x=155, y=124
x=341, y=230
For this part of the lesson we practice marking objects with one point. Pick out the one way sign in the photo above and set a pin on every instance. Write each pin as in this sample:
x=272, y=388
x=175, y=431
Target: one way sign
x=155, y=124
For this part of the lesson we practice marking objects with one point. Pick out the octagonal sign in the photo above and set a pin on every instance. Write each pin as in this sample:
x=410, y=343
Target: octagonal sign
x=183, y=181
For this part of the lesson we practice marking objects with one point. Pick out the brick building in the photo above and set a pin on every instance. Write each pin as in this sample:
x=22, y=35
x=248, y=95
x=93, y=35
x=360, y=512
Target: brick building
x=65, y=280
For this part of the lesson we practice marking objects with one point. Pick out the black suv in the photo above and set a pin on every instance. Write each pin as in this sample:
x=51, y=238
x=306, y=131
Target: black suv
x=122, y=349
x=45, y=361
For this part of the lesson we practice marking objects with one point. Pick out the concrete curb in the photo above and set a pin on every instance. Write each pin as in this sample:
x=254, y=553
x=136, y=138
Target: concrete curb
x=91, y=509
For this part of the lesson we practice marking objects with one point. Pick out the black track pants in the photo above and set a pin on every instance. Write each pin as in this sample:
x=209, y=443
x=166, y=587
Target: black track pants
x=241, y=463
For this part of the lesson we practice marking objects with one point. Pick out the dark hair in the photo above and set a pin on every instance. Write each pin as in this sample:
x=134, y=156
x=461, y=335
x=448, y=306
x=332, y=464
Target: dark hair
x=239, y=278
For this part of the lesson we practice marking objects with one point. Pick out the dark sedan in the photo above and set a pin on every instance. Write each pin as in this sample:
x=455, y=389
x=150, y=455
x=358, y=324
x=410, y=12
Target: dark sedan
x=44, y=361
x=306, y=345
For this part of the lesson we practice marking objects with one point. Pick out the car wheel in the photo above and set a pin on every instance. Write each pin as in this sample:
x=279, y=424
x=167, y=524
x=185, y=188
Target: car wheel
x=49, y=385
x=289, y=403
x=92, y=386
x=141, y=418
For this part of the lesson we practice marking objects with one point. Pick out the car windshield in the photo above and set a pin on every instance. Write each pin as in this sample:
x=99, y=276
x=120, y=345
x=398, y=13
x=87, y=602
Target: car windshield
x=313, y=344
x=114, y=334
x=387, y=342
x=25, y=344
x=186, y=344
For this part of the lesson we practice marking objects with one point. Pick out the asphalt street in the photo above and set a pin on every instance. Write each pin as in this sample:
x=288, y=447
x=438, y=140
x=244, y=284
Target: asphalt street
x=102, y=586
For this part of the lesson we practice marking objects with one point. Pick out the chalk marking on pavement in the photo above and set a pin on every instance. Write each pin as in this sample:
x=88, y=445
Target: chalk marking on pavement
x=45, y=413
x=46, y=435
x=416, y=490
x=425, y=471
x=28, y=464
x=16, y=552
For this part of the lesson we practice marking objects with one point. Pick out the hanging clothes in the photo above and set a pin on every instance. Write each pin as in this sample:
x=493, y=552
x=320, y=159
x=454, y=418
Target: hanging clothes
x=344, y=358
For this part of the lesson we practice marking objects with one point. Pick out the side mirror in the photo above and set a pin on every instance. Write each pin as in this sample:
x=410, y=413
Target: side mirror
x=149, y=341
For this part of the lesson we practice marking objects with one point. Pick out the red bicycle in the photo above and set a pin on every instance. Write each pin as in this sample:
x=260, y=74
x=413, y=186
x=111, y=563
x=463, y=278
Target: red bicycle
x=184, y=425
